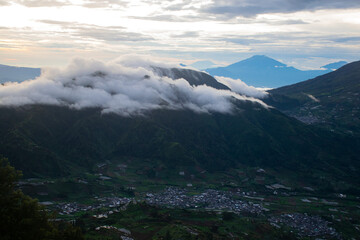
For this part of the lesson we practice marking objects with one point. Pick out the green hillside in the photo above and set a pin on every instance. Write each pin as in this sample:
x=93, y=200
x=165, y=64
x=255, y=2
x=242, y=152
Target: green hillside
x=56, y=141
x=331, y=100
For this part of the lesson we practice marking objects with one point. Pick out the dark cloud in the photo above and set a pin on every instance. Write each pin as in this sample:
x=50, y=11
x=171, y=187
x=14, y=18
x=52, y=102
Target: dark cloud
x=57, y=3
x=62, y=23
x=108, y=34
x=346, y=39
x=58, y=45
x=171, y=18
x=245, y=41
x=283, y=22
x=250, y=8
x=105, y=4
x=275, y=37
x=111, y=33
x=189, y=34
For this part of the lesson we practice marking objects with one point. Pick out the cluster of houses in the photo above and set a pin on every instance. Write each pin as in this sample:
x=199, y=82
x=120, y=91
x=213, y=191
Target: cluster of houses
x=210, y=199
x=171, y=197
x=305, y=225
x=106, y=202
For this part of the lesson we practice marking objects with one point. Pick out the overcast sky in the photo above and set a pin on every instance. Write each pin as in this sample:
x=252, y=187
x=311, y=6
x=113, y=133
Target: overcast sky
x=301, y=33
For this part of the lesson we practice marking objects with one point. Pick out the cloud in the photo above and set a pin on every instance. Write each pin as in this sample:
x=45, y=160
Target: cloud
x=250, y=8
x=169, y=18
x=242, y=88
x=110, y=33
x=347, y=39
x=4, y=3
x=42, y=3
x=126, y=86
x=105, y=3
x=188, y=34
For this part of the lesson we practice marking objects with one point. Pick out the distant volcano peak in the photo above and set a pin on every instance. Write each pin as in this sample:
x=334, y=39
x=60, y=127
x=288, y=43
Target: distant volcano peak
x=258, y=61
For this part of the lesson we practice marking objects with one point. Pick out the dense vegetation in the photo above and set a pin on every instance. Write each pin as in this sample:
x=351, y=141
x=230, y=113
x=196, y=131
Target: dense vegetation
x=21, y=217
x=331, y=100
x=55, y=141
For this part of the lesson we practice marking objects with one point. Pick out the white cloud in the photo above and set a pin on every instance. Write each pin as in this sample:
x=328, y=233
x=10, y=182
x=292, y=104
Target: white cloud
x=242, y=88
x=126, y=86
x=42, y=3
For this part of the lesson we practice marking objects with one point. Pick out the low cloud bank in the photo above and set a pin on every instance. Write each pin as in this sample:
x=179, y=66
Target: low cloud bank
x=240, y=87
x=126, y=86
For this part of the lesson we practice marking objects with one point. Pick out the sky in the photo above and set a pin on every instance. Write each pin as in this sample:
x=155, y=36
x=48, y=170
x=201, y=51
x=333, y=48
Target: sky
x=302, y=33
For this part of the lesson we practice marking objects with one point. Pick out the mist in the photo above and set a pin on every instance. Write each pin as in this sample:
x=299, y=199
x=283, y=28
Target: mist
x=240, y=87
x=126, y=86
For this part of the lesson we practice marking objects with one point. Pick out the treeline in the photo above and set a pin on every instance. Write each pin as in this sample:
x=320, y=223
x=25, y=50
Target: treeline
x=22, y=217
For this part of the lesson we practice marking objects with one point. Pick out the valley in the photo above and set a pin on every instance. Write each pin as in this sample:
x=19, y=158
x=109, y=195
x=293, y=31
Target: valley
x=159, y=204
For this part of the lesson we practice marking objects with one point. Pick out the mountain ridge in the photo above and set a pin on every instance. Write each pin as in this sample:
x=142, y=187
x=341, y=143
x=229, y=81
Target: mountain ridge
x=263, y=71
x=17, y=74
x=329, y=100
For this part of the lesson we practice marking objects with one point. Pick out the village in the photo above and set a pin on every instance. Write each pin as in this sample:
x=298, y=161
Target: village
x=212, y=200
x=209, y=199
x=306, y=226
x=115, y=203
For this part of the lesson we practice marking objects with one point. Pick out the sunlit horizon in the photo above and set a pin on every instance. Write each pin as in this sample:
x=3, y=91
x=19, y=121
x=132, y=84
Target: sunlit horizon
x=51, y=33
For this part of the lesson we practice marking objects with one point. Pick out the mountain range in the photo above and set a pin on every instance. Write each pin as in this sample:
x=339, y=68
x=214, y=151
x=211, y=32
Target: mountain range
x=45, y=140
x=258, y=71
x=262, y=71
x=17, y=74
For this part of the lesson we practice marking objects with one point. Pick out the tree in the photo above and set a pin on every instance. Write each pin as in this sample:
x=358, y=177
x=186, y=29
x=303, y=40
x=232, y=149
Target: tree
x=22, y=217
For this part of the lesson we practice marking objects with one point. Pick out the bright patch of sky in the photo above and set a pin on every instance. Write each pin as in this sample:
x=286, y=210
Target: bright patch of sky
x=305, y=34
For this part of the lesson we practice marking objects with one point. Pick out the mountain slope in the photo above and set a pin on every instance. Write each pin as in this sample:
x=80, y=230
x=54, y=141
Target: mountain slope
x=17, y=74
x=262, y=71
x=330, y=100
x=195, y=78
x=53, y=141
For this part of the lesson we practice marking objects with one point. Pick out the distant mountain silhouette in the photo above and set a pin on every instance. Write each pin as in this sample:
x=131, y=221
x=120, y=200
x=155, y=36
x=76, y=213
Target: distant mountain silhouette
x=335, y=65
x=201, y=65
x=262, y=71
x=17, y=74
